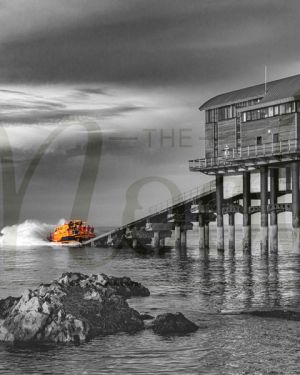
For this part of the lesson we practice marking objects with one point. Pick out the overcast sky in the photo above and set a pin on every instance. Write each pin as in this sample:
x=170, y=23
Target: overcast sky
x=102, y=73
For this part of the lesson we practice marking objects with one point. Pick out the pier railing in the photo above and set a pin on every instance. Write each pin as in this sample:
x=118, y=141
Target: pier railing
x=231, y=155
x=194, y=193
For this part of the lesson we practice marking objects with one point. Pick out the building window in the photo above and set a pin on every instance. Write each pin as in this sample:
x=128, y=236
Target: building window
x=276, y=110
x=233, y=111
x=275, y=138
x=210, y=116
x=282, y=109
x=226, y=113
x=259, y=141
x=288, y=108
x=248, y=103
x=271, y=111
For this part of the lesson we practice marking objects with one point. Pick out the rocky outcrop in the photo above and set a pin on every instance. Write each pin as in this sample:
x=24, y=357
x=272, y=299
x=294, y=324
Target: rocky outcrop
x=74, y=308
x=173, y=324
x=77, y=307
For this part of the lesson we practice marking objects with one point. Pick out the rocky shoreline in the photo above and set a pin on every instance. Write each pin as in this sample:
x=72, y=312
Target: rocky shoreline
x=76, y=307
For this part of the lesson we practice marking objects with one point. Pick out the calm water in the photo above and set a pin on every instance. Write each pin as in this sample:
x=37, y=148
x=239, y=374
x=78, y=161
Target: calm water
x=206, y=287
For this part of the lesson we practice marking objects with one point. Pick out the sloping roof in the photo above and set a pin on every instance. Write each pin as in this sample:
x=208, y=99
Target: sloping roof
x=276, y=90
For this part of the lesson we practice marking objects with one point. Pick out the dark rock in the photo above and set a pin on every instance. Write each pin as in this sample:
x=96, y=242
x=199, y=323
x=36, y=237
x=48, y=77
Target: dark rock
x=147, y=317
x=6, y=306
x=76, y=340
x=172, y=324
x=127, y=288
x=74, y=308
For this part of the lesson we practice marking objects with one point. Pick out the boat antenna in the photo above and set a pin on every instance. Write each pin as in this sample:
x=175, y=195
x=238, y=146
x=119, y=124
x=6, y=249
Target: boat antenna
x=266, y=75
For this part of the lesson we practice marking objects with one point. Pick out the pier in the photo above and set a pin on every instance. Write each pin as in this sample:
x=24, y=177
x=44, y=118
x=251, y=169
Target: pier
x=253, y=134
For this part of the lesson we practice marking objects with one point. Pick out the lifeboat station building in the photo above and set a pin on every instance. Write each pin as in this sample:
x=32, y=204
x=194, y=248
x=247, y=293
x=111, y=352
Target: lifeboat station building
x=255, y=130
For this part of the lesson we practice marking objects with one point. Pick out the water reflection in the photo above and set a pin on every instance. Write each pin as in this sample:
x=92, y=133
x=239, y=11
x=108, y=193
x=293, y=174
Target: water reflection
x=262, y=274
x=247, y=281
x=275, y=294
x=240, y=281
x=181, y=253
x=204, y=272
x=231, y=272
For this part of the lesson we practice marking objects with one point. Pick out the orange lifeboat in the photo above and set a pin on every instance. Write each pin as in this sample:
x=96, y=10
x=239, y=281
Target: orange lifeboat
x=73, y=230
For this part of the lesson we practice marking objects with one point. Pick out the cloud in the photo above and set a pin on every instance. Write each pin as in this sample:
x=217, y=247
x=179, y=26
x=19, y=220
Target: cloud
x=59, y=103
x=147, y=42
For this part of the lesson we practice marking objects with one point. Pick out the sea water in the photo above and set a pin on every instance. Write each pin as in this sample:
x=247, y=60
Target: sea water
x=210, y=288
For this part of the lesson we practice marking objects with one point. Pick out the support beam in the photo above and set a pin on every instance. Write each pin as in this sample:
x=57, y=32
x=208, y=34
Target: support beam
x=219, y=201
x=264, y=219
x=177, y=236
x=273, y=214
x=155, y=240
x=246, y=215
x=162, y=242
x=296, y=205
x=183, y=239
x=201, y=232
x=134, y=243
x=231, y=232
x=206, y=234
x=288, y=178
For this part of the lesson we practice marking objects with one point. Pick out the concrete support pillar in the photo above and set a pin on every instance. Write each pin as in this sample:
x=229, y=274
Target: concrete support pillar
x=201, y=232
x=231, y=232
x=288, y=178
x=246, y=215
x=264, y=219
x=273, y=214
x=206, y=235
x=134, y=243
x=183, y=239
x=155, y=240
x=219, y=201
x=296, y=205
x=177, y=236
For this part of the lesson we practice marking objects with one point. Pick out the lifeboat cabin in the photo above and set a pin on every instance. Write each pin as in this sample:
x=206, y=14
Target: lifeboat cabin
x=74, y=230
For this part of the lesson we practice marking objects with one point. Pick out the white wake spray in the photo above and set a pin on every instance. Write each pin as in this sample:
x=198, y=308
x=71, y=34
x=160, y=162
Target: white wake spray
x=30, y=233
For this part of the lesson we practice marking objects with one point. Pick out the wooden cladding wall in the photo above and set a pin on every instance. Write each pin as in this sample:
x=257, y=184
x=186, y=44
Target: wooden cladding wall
x=226, y=135
x=209, y=141
x=284, y=126
x=298, y=126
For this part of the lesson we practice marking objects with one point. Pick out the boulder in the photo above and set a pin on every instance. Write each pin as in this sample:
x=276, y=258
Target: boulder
x=173, y=324
x=74, y=308
x=147, y=317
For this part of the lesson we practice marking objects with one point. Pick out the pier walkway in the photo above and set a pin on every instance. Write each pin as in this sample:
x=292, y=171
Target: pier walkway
x=162, y=217
x=198, y=205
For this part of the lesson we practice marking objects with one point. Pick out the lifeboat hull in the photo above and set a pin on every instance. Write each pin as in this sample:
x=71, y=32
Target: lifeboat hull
x=74, y=231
